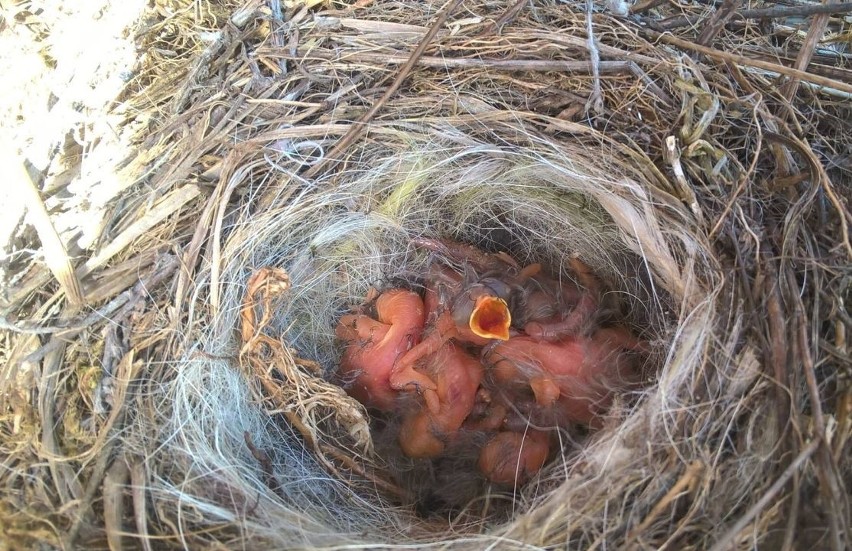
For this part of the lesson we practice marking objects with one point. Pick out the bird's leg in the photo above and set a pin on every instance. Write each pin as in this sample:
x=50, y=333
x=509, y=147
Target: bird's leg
x=443, y=330
x=403, y=373
x=405, y=377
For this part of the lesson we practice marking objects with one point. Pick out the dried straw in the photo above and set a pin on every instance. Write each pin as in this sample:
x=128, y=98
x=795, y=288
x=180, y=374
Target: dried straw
x=283, y=158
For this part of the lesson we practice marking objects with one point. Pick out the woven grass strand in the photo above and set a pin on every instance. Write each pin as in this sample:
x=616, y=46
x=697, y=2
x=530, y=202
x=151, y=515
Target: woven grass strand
x=711, y=207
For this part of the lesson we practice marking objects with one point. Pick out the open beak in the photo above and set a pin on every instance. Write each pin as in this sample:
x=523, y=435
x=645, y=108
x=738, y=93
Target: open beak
x=490, y=318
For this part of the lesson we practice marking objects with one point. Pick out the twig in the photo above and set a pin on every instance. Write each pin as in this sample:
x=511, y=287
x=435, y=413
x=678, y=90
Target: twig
x=55, y=254
x=103, y=447
x=562, y=41
x=495, y=27
x=763, y=13
x=139, y=228
x=191, y=251
x=139, y=483
x=828, y=71
x=570, y=67
x=114, y=485
x=687, y=195
x=777, y=353
x=32, y=327
x=277, y=34
x=727, y=540
x=365, y=473
x=645, y=5
x=85, y=502
x=484, y=63
x=596, y=98
x=827, y=468
x=744, y=179
x=116, y=308
x=820, y=177
x=742, y=60
x=360, y=126
x=266, y=467
x=64, y=479
x=783, y=182
x=817, y=28
x=718, y=21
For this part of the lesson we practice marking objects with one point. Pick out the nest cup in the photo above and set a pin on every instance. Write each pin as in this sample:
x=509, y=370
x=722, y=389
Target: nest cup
x=706, y=189
x=348, y=230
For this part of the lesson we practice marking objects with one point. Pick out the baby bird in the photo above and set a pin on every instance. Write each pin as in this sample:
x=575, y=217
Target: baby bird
x=541, y=306
x=457, y=376
x=493, y=349
x=572, y=379
x=549, y=309
x=467, y=296
x=374, y=346
x=475, y=316
x=512, y=458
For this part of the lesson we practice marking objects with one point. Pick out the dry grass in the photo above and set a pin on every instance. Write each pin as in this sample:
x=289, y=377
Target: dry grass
x=165, y=374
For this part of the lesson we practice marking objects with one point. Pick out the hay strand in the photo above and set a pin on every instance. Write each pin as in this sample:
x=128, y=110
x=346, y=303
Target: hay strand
x=172, y=384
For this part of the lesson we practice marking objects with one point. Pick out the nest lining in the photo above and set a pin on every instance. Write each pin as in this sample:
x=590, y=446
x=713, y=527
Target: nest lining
x=696, y=241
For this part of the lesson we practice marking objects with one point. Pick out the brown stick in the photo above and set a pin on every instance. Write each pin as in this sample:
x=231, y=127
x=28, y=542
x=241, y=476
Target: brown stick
x=644, y=5
x=266, y=467
x=820, y=177
x=584, y=67
x=777, y=352
x=578, y=67
x=684, y=484
x=828, y=481
x=139, y=485
x=360, y=126
x=763, y=13
x=828, y=71
x=496, y=26
x=718, y=21
x=55, y=254
x=815, y=32
x=742, y=60
x=114, y=484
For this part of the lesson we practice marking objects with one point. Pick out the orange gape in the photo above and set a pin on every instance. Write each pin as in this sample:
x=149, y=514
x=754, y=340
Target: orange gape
x=475, y=317
x=574, y=376
x=511, y=458
x=457, y=376
x=373, y=348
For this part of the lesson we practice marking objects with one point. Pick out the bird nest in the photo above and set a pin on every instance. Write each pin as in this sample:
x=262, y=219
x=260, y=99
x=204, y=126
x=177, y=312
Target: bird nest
x=171, y=358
